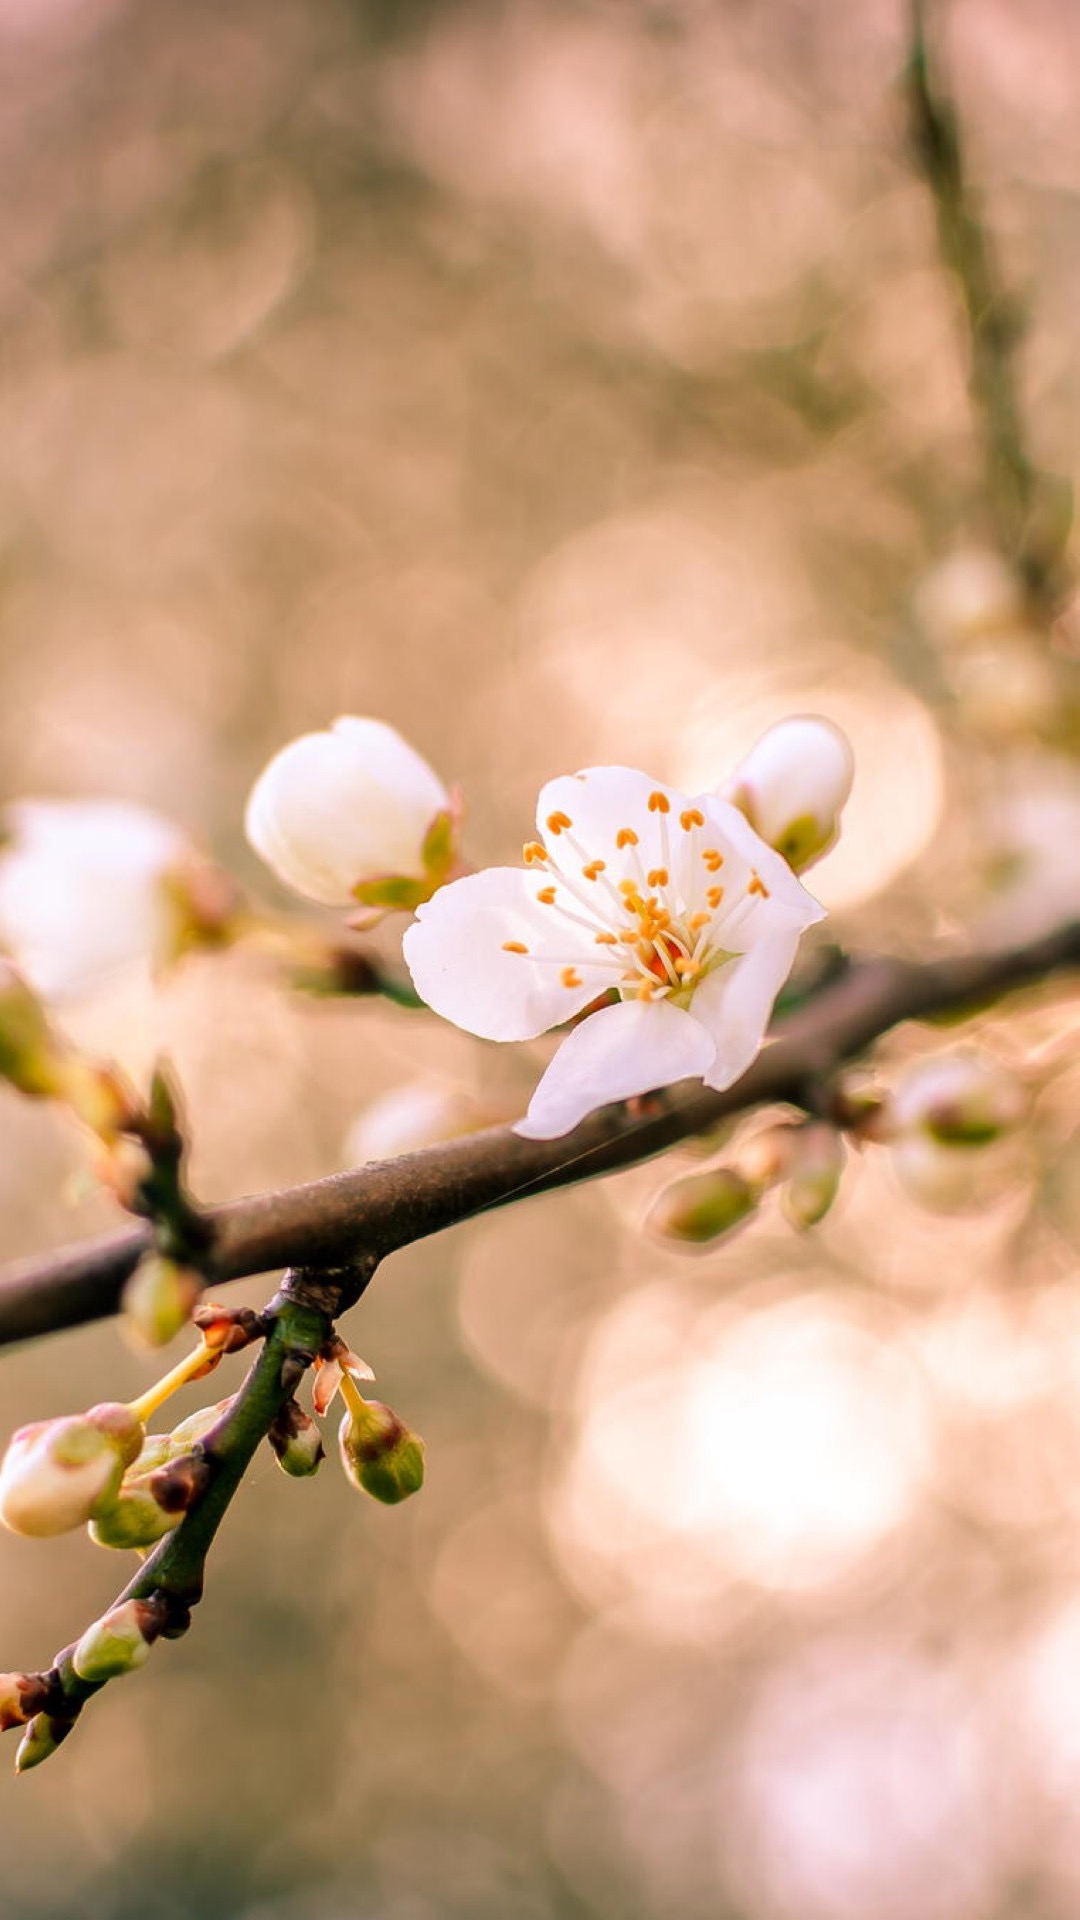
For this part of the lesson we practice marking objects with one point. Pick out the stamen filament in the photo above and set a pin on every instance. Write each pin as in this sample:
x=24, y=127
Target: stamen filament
x=192, y=1367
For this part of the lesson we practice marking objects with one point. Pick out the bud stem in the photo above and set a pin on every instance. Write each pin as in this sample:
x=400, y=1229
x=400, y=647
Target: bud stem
x=193, y=1367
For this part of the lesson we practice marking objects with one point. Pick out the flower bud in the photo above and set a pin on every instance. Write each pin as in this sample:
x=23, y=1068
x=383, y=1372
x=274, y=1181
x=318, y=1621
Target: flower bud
x=31, y=1057
x=197, y=1425
x=159, y=1299
x=40, y=1741
x=703, y=1206
x=962, y=1099
x=58, y=1474
x=351, y=814
x=81, y=890
x=21, y=1696
x=814, y=1171
x=380, y=1454
x=135, y=1521
x=119, y=1642
x=297, y=1442
x=792, y=787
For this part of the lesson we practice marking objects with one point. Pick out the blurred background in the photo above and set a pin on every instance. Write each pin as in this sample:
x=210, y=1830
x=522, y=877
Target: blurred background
x=563, y=383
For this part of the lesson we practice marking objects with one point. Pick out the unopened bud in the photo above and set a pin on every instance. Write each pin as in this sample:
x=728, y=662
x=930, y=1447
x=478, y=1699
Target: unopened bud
x=380, y=1454
x=98, y=1095
x=197, y=1425
x=159, y=1299
x=119, y=1642
x=31, y=1057
x=962, y=1099
x=815, y=1168
x=58, y=1474
x=297, y=1442
x=703, y=1206
x=40, y=1741
x=135, y=1521
x=793, y=786
x=21, y=1696
x=353, y=813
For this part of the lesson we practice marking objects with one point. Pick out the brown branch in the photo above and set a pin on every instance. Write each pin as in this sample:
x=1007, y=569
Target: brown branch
x=375, y=1209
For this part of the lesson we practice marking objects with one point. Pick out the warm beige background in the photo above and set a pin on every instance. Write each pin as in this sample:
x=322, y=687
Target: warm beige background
x=562, y=383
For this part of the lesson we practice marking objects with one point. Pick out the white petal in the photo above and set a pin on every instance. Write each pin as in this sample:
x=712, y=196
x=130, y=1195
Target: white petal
x=785, y=905
x=334, y=808
x=616, y=1053
x=599, y=802
x=735, y=1002
x=455, y=953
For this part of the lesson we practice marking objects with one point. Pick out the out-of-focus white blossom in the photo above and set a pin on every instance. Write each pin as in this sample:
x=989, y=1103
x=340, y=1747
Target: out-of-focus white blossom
x=968, y=595
x=1007, y=686
x=793, y=786
x=671, y=904
x=1031, y=841
x=422, y=1113
x=85, y=890
x=353, y=814
x=961, y=1099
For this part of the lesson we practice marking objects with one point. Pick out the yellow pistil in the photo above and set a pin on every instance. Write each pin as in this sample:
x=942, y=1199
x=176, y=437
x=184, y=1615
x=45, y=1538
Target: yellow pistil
x=192, y=1367
x=514, y=946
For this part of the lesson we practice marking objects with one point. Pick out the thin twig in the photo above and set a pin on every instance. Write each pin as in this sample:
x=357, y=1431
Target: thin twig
x=387, y=1205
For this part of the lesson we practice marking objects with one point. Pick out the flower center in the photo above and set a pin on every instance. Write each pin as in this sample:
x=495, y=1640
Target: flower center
x=658, y=931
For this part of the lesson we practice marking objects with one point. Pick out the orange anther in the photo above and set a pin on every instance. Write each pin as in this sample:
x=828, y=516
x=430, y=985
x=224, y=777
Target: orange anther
x=697, y=921
x=570, y=977
x=659, y=803
x=626, y=837
x=514, y=946
x=546, y=896
x=594, y=869
x=714, y=896
x=606, y=939
x=532, y=852
x=558, y=822
x=658, y=877
x=693, y=817
x=757, y=885
x=713, y=859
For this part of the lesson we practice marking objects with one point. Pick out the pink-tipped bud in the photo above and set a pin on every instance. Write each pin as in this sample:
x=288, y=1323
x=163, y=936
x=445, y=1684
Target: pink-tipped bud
x=380, y=1454
x=703, y=1207
x=58, y=1474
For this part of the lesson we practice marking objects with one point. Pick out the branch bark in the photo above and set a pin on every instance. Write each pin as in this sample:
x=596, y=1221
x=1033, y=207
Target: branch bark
x=373, y=1210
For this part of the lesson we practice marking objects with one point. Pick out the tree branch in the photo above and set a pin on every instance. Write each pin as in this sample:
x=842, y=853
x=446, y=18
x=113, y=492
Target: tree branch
x=375, y=1209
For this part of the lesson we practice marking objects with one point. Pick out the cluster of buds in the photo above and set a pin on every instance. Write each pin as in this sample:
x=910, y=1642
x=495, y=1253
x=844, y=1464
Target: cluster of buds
x=940, y=1118
x=804, y=1161
x=973, y=609
x=354, y=817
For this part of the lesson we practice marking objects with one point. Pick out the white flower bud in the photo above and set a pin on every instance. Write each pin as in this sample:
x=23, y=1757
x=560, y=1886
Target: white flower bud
x=58, y=1474
x=82, y=889
x=340, y=816
x=792, y=787
x=962, y=1099
x=119, y=1642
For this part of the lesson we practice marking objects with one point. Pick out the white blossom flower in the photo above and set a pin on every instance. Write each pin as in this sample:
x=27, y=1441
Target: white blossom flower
x=353, y=814
x=84, y=889
x=672, y=903
x=793, y=786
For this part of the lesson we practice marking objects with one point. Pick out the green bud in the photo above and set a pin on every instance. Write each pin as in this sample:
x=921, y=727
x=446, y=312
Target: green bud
x=119, y=1642
x=136, y=1520
x=961, y=1099
x=380, y=1454
x=31, y=1057
x=703, y=1206
x=159, y=1299
x=297, y=1442
x=816, y=1164
x=194, y=1428
x=41, y=1739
